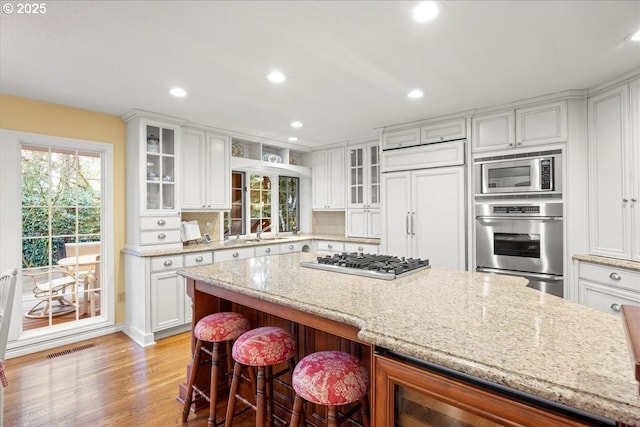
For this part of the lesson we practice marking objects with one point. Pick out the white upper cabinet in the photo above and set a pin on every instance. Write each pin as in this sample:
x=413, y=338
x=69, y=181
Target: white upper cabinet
x=328, y=179
x=206, y=183
x=527, y=126
x=613, y=172
x=431, y=133
x=541, y=124
x=363, y=192
x=493, y=131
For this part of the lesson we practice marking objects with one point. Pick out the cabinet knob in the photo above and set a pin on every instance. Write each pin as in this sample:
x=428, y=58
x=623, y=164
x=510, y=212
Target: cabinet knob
x=161, y=222
x=330, y=246
x=162, y=236
x=625, y=200
x=633, y=200
x=615, y=307
x=235, y=254
x=290, y=246
x=614, y=276
x=510, y=144
x=360, y=248
x=168, y=263
x=267, y=250
x=199, y=259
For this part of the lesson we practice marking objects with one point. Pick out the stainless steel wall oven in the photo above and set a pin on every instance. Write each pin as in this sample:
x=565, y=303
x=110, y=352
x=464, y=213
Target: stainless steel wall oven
x=524, y=239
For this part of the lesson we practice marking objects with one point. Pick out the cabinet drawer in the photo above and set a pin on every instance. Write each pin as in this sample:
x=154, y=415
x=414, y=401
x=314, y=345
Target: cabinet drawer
x=231, y=254
x=160, y=223
x=159, y=237
x=198, y=258
x=604, y=298
x=327, y=246
x=293, y=247
x=611, y=276
x=367, y=248
x=164, y=263
x=432, y=155
x=444, y=131
x=401, y=138
x=267, y=250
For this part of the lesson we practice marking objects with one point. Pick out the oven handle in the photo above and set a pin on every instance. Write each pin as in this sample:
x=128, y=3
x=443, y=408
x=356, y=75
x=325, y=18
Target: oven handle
x=510, y=218
x=551, y=277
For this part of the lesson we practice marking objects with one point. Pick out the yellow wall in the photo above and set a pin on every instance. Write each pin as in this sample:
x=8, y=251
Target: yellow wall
x=27, y=115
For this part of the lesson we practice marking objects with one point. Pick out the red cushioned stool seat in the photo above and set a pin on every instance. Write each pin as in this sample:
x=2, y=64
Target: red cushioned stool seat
x=330, y=378
x=261, y=348
x=215, y=328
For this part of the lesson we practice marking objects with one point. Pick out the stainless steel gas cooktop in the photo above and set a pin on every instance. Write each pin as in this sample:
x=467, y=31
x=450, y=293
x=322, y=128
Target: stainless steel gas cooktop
x=385, y=267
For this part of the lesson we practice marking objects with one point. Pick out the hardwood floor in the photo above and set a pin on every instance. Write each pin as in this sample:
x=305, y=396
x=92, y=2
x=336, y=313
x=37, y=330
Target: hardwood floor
x=107, y=381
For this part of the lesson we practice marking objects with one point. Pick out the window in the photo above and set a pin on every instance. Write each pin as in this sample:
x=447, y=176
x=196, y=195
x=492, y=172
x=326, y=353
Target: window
x=264, y=192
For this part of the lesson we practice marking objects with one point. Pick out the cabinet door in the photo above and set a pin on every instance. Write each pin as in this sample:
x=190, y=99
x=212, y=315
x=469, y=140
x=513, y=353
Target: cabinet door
x=356, y=175
x=374, y=223
x=438, y=229
x=542, y=124
x=609, y=172
x=635, y=168
x=396, y=210
x=218, y=172
x=372, y=177
x=193, y=172
x=336, y=180
x=160, y=147
x=493, y=131
x=443, y=131
x=401, y=138
x=604, y=298
x=357, y=223
x=167, y=300
x=319, y=178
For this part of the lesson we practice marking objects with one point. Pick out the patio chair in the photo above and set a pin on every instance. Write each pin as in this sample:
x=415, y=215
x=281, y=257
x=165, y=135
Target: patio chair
x=92, y=287
x=50, y=286
x=8, y=281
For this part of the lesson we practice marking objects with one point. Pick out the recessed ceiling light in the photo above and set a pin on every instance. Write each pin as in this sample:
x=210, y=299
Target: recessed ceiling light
x=296, y=124
x=415, y=93
x=425, y=11
x=293, y=139
x=178, y=91
x=276, y=77
x=636, y=36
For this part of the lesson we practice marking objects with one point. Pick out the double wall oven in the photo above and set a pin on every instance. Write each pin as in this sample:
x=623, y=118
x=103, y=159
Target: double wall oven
x=519, y=220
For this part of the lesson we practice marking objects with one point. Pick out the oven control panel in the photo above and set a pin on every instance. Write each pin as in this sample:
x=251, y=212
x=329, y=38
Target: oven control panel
x=527, y=210
x=545, y=174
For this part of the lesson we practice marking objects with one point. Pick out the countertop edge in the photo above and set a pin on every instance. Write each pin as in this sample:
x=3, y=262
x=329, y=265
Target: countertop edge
x=610, y=262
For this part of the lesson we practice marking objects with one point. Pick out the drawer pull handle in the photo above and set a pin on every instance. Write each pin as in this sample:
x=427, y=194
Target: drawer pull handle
x=614, y=276
x=330, y=246
x=267, y=250
x=615, y=307
x=161, y=222
x=162, y=236
x=235, y=254
x=290, y=246
x=199, y=259
x=168, y=263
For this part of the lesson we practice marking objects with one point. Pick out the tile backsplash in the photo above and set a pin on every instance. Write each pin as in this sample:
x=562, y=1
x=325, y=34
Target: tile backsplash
x=328, y=223
x=209, y=222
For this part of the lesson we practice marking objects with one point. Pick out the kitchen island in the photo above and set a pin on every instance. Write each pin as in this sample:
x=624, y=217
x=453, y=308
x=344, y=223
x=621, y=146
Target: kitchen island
x=488, y=327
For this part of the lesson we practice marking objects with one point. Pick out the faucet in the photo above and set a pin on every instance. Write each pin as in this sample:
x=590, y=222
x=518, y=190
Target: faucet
x=260, y=230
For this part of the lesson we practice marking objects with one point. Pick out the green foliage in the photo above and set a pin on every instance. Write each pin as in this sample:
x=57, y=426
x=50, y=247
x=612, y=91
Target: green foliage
x=60, y=203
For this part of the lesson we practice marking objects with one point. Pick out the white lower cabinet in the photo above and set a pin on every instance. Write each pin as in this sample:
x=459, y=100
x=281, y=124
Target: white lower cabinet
x=267, y=250
x=231, y=254
x=607, y=288
x=156, y=301
x=364, y=223
x=330, y=246
x=293, y=247
x=366, y=248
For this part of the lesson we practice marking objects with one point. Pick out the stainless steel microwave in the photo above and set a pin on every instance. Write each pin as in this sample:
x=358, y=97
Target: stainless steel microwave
x=539, y=174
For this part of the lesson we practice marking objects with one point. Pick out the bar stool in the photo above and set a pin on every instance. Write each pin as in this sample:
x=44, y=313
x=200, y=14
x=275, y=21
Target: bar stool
x=330, y=378
x=262, y=348
x=215, y=328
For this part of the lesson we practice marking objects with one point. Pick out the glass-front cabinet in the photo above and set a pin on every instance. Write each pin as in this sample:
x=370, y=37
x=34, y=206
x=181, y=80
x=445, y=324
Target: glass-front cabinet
x=364, y=175
x=160, y=168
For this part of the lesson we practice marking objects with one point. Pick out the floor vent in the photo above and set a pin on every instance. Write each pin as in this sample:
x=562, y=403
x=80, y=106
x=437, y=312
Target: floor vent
x=69, y=351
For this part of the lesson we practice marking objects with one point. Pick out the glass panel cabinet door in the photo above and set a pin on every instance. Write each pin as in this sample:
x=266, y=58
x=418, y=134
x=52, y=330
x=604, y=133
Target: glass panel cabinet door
x=161, y=170
x=374, y=176
x=356, y=176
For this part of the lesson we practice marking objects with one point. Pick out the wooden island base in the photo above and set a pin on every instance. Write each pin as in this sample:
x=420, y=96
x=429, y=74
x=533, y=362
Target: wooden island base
x=403, y=392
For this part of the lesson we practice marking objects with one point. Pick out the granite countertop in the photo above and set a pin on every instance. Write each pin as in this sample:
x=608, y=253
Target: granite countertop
x=249, y=242
x=610, y=262
x=490, y=326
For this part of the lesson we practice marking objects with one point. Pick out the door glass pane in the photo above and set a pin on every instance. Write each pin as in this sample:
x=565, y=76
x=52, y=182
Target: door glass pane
x=288, y=203
x=62, y=229
x=234, y=219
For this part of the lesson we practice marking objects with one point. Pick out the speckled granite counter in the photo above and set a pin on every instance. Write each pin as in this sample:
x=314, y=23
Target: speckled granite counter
x=490, y=326
x=611, y=262
x=246, y=242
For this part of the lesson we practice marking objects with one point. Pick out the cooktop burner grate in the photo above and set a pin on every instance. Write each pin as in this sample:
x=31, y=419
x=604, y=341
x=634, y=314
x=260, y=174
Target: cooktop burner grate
x=369, y=265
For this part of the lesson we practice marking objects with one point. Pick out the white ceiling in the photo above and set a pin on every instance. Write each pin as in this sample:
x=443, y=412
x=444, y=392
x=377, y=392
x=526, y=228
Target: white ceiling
x=349, y=64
